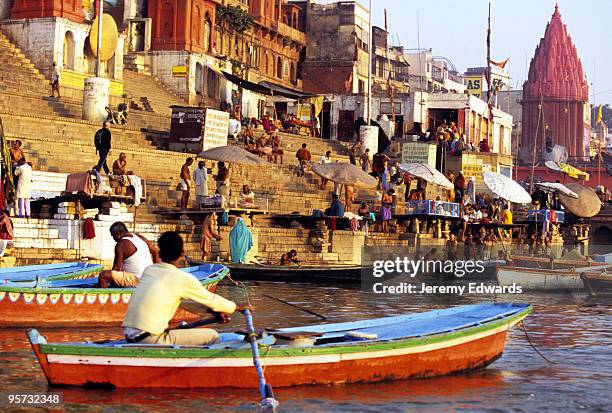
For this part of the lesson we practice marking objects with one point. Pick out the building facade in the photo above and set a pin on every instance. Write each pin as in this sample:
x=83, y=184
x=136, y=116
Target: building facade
x=51, y=31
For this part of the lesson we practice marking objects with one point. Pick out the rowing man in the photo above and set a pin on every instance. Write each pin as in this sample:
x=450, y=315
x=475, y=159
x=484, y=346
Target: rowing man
x=162, y=289
x=133, y=253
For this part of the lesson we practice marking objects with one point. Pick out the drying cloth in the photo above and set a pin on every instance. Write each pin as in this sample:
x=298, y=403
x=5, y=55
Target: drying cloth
x=80, y=182
x=350, y=215
x=89, y=229
x=136, y=182
x=241, y=241
x=354, y=226
x=332, y=223
x=224, y=218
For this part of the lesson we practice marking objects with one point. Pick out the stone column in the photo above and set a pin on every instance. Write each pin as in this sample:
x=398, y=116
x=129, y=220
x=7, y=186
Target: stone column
x=95, y=98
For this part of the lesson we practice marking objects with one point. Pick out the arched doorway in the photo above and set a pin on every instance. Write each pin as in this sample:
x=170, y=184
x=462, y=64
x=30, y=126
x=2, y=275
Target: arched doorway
x=69, y=50
x=196, y=25
x=207, y=32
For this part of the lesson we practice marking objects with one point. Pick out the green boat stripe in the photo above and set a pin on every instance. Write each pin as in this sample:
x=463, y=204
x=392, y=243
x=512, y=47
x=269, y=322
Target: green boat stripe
x=51, y=290
x=341, y=348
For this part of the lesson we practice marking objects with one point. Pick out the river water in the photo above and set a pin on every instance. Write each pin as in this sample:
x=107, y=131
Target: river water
x=571, y=330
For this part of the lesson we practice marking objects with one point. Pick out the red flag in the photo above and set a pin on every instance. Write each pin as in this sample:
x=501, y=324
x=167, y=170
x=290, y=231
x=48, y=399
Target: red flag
x=501, y=65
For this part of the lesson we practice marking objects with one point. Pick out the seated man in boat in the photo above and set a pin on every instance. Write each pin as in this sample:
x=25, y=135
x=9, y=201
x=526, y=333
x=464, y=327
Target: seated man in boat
x=133, y=253
x=289, y=258
x=162, y=289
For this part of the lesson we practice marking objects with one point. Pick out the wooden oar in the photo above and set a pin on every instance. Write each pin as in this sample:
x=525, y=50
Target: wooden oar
x=322, y=317
x=268, y=403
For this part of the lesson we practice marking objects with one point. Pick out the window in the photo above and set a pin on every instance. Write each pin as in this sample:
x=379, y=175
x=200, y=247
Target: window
x=361, y=86
x=279, y=68
x=212, y=83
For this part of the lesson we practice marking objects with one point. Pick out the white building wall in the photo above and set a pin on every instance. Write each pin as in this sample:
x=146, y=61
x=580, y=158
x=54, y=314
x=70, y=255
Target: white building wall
x=42, y=41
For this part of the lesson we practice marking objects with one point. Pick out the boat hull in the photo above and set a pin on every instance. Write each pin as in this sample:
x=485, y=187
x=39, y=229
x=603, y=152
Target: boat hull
x=417, y=358
x=54, y=306
x=598, y=284
x=61, y=309
x=544, y=280
x=348, y=274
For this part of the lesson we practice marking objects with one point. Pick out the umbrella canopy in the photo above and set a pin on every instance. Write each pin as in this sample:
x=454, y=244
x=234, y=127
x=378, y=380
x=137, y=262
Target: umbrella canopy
x=556, y=187
x=586, y=205
x=571, y=171
x=426, y=172
x=506, y=188
x=345, y=174
x=232, y=154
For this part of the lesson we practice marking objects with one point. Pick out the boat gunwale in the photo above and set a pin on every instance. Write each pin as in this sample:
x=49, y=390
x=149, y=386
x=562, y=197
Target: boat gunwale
x=218, y=276
x=363, y=346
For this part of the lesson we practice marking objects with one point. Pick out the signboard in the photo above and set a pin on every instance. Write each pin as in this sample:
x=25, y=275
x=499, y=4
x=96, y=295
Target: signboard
x=385, y=108
x=215, y=128
x=474, y=85
x=186, y=124
x=413, y=152
x=303, y=112
x=179, y=71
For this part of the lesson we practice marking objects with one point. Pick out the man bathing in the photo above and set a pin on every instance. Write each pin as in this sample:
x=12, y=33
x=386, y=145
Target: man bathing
x=133, y=253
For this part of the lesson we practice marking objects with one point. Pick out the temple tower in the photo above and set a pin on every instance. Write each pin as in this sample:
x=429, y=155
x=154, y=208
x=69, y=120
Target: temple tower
x=555, y=95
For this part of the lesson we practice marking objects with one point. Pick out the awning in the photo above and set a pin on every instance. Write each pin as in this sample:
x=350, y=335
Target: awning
x=283, y=91
x=245, y=84
x=263, y=88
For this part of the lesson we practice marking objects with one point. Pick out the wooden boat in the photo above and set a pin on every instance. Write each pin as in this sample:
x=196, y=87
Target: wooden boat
x=428, y=344
x=598, y=283
x=548, y=263
x=67, y=270
x=298, y=273
x=78, y=301
x=543, y=279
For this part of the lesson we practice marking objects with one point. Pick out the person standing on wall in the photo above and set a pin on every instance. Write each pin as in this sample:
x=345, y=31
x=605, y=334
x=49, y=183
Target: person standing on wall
x=55, y=81
x=102, y=142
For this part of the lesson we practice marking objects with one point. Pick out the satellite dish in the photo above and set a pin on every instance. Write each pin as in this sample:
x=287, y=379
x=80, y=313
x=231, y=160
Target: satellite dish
x=110, y=35
x=587, y=204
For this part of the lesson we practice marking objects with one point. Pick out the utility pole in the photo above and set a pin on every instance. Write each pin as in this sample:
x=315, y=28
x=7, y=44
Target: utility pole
x=99, y=46
x=369, y=106
x=489, y=80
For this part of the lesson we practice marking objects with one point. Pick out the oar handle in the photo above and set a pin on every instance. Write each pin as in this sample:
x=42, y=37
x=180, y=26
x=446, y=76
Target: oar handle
x=252, y=336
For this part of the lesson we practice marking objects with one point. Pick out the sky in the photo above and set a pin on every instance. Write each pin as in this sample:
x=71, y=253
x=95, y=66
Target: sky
x=457, y=30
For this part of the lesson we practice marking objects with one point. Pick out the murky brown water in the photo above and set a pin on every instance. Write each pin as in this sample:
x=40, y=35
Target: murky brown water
x=577, y=337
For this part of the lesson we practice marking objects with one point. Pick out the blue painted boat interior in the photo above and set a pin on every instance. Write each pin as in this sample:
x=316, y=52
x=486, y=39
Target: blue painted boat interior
x=31, y=272
x=419, y=324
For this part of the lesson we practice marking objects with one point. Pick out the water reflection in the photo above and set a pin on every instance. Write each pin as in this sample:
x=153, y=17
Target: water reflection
x=577, y=337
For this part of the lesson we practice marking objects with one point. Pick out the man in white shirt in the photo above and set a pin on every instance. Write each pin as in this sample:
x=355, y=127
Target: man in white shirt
x=233, y=128
x=200, y=176
x=163, y=289
x=325, y=159
x=55, y=80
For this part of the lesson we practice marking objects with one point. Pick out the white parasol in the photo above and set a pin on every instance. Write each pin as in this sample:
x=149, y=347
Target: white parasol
x=556, y=187
x=345, y=174
x=232, y=154
x=506, y=188
x=426, y=172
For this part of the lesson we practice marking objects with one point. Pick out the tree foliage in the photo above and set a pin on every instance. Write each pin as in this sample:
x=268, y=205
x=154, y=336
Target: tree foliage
x=235, y=18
